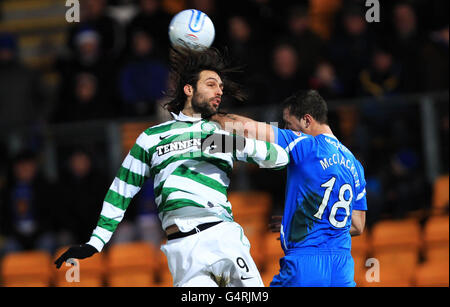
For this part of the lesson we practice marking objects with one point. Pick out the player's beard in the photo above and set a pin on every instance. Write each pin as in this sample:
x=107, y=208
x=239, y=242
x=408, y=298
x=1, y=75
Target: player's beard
x=202, y=105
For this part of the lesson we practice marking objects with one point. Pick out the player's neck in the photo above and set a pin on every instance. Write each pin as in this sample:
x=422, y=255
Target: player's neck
x=321, y=129
x=188, y=110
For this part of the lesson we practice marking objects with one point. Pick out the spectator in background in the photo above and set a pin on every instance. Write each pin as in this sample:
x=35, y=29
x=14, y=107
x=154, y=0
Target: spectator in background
x=73, y=72
x=382, y=77
x=94, y=16
x=406, y=42
x=245, y=49
x=243, y=43
x=350, y=46
x=20, y=88
x=28, y=206
x=152, y=19
x=143, y=79
x=286, y=75
x=434, y=58
x=405, y=187
x=85, y=103
x=308, y=44
x=326, y=81
x=80, y=196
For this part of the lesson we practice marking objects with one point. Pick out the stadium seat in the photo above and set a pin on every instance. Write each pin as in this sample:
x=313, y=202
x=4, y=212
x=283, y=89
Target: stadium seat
x=167, y=283
x=361, y=244
x=434, y=271
x=396, y=234
x=91, y=272
x=440, y=195
x=85, y=281
x=360, y=269
x=437, y=253
x=250, y=203
x=436, y=230
x=251, y=210
x=432, y=274
x=436, y=241
x=396, y=244
x=396, y=268
x=360, y=250
x=267, y=277
x=131, y=279
x=273, y=252
x=133, y=261
x=164, y=276
x=257, y=249
x=26, y=269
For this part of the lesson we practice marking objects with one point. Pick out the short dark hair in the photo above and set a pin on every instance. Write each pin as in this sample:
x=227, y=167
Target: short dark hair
x=186, y=64
x=307, y=102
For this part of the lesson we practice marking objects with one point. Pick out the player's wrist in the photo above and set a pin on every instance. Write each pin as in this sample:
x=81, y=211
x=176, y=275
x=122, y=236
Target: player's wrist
x=96, y=242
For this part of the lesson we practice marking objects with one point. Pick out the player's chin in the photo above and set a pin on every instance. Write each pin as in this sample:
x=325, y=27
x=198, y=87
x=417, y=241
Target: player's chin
x=209, y=113
x=214, y=108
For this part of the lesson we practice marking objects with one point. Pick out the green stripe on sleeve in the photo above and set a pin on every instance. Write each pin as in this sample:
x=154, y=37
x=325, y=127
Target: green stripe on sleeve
x=272, y=153
x=129, y=177
x=107, y=223
x=139, y=153
x=117, y=200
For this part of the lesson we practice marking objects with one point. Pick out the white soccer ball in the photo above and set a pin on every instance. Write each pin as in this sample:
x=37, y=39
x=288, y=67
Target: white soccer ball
x=192, y=28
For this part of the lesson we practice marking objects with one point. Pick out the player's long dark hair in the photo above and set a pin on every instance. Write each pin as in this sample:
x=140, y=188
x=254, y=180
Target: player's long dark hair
x=185, y=67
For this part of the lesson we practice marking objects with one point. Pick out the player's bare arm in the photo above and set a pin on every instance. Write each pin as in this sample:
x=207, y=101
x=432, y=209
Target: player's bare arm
x=358, y=222
x=245, y=126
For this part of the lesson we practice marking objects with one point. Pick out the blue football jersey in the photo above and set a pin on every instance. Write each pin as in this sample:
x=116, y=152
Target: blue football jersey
x=325, y=182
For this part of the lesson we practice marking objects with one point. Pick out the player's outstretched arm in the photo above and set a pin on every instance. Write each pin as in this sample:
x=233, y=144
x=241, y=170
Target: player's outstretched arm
x=264, y=154
x=245, y=126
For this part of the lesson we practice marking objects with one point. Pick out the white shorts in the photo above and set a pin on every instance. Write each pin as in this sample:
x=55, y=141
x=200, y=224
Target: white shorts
x=217, y=256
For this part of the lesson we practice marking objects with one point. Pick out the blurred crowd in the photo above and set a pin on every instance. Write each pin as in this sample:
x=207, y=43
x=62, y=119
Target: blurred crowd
x=115, y=69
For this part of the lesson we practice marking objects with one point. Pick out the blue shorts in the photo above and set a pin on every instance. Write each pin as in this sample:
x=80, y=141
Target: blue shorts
x=315, y=270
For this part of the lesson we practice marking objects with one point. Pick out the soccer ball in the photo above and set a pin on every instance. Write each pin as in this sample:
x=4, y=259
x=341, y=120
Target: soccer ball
x=192, y=28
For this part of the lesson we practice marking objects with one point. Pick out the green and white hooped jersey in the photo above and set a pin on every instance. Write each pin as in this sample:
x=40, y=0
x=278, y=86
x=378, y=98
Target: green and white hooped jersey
x=190, y=185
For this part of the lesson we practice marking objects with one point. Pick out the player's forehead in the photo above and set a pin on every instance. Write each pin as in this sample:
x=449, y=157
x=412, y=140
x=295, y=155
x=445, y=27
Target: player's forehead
x=210, y=75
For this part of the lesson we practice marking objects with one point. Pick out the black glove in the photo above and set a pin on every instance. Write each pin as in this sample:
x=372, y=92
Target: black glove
x=78, y=252
x=223, y=143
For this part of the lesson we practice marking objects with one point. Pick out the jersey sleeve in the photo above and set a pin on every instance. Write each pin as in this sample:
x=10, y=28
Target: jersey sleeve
x=264, y=154
x=360, y=201
x=130, y=178
x=282, y=137
x=298, y=145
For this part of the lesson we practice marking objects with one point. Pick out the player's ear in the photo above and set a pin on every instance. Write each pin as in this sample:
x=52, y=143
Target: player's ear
x=188, y=90
x=308, y=120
